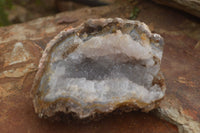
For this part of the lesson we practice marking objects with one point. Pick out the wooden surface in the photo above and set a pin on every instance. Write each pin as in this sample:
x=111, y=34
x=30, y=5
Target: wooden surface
x=189, y=6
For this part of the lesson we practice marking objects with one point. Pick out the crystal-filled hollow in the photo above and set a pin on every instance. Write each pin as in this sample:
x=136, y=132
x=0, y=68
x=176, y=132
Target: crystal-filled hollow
x=98, y=67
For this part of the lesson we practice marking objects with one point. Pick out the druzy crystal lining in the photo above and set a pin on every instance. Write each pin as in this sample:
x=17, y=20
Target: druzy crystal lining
x=98, y=67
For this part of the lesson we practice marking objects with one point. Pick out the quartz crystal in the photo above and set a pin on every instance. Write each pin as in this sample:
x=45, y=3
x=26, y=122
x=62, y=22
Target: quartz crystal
x=98, y=67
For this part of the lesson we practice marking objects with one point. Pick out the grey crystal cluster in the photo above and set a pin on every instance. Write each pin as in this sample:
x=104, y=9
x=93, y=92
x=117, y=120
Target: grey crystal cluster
x=98, y=67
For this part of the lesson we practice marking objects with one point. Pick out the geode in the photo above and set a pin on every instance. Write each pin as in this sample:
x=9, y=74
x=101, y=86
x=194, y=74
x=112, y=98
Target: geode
x=98, y=67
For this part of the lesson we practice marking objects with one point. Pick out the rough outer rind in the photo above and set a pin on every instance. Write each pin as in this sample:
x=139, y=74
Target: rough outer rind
x=49, y=109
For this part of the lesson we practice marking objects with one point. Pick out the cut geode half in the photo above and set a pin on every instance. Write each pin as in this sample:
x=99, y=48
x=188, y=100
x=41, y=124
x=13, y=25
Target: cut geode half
x=100, y=66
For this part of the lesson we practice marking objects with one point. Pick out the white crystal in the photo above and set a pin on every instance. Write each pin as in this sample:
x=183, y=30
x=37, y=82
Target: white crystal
x=104, y=71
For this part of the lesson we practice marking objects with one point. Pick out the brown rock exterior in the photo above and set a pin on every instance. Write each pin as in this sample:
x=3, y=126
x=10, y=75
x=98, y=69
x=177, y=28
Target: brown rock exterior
x=17, y=60
x=49, y=97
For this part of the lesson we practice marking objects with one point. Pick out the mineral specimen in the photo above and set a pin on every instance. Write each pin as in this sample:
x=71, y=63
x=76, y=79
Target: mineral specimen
x=98, y=67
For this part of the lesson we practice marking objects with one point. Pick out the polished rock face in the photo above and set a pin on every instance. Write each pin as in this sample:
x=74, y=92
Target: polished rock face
x=102, y=65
